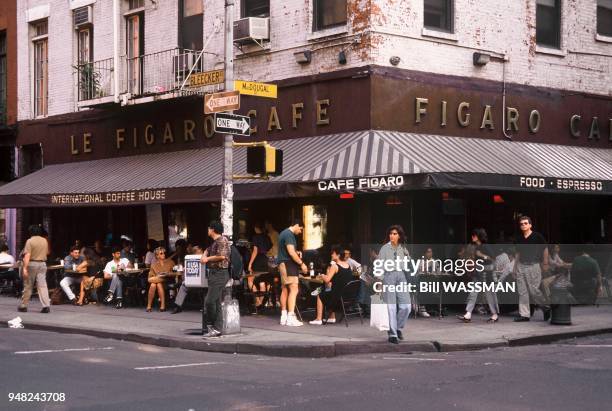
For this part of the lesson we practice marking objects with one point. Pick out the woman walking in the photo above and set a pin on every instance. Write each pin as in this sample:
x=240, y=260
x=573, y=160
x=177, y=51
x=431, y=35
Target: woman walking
x=398, y=301
x=482, y=251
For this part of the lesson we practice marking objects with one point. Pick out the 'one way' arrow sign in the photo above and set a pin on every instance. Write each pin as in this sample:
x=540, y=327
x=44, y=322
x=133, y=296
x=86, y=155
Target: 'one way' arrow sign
x=232, y=124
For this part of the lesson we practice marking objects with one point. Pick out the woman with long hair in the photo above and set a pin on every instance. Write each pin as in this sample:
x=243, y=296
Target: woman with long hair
x=338, y=275
x=91, y=267
x=398, y=302
x=484, y=252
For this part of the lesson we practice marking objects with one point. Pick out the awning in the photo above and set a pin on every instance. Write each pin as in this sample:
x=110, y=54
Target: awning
x=422, y=161
x=432, y=161
x=173, y=177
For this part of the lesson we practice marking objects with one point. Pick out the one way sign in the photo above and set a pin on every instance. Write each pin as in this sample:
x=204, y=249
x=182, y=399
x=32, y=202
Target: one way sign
x=232, y=124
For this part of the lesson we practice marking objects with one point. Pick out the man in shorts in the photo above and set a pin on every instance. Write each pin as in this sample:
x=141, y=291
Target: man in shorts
x=289, y=265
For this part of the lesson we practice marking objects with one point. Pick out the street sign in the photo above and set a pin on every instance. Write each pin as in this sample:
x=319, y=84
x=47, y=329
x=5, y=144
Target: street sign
x=252, y=88
x=218, y=102
x=232, y=124
x=207, y=78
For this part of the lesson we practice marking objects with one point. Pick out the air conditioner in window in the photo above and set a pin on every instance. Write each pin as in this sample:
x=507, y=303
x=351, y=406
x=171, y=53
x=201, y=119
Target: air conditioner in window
x=251, y=30
x=83, y=16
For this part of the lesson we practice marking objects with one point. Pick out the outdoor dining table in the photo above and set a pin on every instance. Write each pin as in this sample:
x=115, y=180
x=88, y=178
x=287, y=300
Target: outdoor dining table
x=270, y=291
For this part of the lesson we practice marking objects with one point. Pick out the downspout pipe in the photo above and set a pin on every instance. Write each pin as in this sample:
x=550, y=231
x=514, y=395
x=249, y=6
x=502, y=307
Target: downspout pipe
x=116, y=60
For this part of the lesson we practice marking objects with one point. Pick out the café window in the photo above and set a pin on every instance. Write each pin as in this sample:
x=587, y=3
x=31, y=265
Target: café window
x=191, y=24
x=255, y=8
x=315, y=226
x=328, y=14
x=438, y=15
x=548, y=23
x=177, y=226
x=41, y=75
x=604, y=17
x=3, y=71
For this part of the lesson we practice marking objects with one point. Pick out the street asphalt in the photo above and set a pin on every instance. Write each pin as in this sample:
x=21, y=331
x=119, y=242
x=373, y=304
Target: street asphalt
x=103, y=374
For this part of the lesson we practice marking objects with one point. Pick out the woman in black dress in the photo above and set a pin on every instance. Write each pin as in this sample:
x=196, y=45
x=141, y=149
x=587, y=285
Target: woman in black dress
x=338, y=274
x=258, y=262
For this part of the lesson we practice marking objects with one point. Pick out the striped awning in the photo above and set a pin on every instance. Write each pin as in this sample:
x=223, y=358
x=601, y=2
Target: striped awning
x=383, y=152
x=195, y=175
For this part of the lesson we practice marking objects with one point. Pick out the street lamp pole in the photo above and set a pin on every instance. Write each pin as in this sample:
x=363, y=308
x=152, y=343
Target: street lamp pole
x=227, y=185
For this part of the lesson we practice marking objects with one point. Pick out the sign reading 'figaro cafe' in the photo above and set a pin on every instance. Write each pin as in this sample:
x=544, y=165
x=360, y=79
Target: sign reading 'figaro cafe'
x=407, y=102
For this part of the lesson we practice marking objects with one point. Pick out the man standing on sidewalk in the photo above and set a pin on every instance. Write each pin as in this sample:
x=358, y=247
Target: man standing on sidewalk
x=217, y=259
x=531, y=251
x=289, y=265
x=35, y=269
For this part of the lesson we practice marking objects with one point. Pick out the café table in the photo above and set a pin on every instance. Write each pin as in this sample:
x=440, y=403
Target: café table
x=55, y=271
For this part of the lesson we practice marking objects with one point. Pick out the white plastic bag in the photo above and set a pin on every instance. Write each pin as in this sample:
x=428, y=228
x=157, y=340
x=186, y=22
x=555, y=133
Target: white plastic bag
x=379, y=316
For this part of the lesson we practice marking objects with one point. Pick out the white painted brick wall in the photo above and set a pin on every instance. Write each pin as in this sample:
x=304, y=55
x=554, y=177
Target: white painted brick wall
x=392, y=28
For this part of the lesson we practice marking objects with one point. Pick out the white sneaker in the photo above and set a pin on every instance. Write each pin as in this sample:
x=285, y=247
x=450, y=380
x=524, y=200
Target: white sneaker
x=292, y=321
x=315, y=322
x=331, y=321
x=283, y=320
x=424, y=314
x=316, y=292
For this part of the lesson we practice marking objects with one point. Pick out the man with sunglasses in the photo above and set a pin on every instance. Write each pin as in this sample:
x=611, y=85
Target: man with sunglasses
x=531, y=252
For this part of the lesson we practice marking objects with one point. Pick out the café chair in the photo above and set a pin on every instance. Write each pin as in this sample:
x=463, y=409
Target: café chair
x=349, y=301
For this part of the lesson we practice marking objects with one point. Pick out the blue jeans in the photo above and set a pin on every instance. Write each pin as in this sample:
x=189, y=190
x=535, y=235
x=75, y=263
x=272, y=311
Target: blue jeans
x=398, y=303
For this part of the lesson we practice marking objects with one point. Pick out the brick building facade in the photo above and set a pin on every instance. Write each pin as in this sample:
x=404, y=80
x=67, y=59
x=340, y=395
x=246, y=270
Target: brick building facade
x=518, y=73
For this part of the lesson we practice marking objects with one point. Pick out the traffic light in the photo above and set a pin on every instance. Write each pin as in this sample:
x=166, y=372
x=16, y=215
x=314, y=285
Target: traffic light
x=264, y=160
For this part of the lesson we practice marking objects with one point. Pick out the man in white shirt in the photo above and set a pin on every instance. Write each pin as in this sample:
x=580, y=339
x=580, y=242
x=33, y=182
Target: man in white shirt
x=9, y=274
x=111, y=272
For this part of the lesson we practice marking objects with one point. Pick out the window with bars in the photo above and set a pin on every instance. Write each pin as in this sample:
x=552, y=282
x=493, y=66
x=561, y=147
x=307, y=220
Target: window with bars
x=3, y=72
x=255, y=8
x=548, y=23
x=328, y=14
x=604, y=17
x=41, y=75
x=439, y=15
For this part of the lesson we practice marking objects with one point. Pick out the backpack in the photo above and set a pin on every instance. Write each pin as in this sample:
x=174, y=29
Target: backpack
x=236, y=265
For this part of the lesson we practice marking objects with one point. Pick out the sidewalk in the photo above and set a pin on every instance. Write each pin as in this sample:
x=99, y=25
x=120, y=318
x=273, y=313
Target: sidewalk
x=264, y=336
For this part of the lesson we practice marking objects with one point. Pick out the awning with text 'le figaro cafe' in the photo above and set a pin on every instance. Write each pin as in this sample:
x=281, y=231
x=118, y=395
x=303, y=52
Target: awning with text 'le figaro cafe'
x=350, y=162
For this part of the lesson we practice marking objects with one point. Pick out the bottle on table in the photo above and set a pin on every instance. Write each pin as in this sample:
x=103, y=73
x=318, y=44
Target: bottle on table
x=311, y=269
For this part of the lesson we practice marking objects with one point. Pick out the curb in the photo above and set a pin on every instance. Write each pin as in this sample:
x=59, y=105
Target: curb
x=325, y=350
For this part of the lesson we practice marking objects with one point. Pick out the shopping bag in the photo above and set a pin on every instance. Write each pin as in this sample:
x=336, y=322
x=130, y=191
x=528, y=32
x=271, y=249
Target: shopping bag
x=230, y=316
x=379, y=316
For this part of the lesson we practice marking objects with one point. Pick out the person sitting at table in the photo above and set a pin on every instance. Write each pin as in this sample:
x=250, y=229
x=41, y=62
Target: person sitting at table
x=126, y=249
x=183, y=290
x=10, y=274
x=72, y=262
x=338, y=274
x=111, y=272
x=100, y=251
x=180, y=251
x=163, y=265
x=258, y=261
x=91, y=267
x=150, y=255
